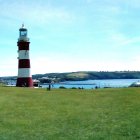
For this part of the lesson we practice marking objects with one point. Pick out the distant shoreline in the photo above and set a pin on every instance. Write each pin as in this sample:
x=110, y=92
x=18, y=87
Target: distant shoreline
x=82, y=75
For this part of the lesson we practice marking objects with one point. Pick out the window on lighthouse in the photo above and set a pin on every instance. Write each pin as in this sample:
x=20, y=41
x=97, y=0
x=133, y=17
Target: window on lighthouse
x=23, y=33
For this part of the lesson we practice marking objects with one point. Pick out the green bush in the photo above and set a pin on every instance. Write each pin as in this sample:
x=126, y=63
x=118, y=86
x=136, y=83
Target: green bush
x=62, y=87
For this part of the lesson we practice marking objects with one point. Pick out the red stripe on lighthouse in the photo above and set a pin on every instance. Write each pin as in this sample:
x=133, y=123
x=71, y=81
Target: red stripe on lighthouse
x=24, y=63
x=24, y=82
x=23, y=45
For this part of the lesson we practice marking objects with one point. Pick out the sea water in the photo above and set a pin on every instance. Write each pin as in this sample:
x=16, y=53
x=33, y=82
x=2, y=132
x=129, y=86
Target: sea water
x=92, y=84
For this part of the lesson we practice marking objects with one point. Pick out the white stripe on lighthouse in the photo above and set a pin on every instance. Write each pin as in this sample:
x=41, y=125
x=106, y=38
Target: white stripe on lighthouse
x=24, y=72
x=23, y=54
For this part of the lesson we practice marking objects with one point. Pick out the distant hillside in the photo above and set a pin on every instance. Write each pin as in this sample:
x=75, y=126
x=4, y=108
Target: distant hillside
x=84, y=75
x=78, y=76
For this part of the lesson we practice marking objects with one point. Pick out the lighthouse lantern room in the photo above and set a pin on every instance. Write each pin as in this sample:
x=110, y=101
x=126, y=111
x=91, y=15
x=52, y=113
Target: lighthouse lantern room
x=24, y=78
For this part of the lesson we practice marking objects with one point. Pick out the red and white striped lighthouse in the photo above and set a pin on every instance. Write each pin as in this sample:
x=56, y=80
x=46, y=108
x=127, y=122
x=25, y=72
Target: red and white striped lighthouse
x=24, y=78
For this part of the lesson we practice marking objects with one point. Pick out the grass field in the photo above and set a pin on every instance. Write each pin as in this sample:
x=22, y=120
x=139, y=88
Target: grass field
x=38, y=114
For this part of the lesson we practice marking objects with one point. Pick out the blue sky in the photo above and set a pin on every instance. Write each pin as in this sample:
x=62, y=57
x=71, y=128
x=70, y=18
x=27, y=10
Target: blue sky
x=71, y=35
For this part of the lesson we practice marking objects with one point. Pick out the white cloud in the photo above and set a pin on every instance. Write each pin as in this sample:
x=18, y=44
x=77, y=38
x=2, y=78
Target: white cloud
x=122, y=40
x=39, y=13
x=9, y=67
x=64, y=64
x=135, y=63
x=132, y=40
x=49, y=64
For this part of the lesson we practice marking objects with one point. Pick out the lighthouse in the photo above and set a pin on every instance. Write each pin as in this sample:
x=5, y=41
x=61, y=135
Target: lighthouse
x=24, y=78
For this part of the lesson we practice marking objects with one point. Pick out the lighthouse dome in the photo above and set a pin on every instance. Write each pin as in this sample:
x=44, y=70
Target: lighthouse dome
x=23, y=34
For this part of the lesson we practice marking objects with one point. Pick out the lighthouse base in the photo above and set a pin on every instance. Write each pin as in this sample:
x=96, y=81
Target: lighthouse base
x=24, y=82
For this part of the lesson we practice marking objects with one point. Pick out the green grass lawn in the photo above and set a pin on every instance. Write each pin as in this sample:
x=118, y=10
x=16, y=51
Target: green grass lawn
x=38, y=114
